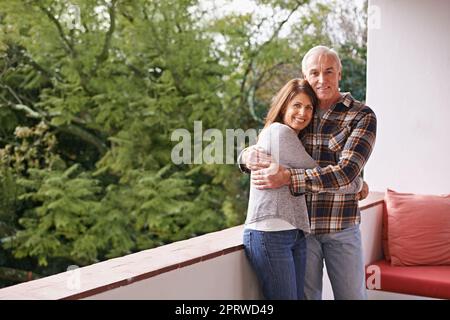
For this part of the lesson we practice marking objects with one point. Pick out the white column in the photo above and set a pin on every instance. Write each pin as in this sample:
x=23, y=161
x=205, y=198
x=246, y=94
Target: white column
x=408, y=87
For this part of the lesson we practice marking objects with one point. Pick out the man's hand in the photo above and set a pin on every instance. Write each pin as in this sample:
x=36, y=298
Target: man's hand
x=275, y=176
x=254, y=158
x=364, y=192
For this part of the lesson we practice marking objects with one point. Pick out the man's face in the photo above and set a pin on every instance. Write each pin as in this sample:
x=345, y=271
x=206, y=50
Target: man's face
x=323, y=74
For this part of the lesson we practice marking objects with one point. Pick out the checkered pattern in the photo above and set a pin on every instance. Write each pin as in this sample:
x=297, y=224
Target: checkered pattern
x=341, y=142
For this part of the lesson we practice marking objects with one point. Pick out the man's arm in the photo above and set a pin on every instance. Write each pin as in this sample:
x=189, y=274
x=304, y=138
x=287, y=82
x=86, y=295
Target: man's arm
x=354, y=187
x=355, y=154
x=253, y=158
x=241, y=162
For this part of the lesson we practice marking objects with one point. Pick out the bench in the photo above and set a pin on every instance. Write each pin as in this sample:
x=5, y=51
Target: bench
x=385, y=280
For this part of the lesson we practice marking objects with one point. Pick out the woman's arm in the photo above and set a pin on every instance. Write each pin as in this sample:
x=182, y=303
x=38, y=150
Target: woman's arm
x=283, y=145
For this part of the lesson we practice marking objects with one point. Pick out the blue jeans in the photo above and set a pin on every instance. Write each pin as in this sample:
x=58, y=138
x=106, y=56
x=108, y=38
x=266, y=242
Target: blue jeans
x=342, y=252
x=279, y=261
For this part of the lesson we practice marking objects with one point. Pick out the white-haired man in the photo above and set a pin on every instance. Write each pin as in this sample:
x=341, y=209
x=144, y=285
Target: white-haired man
x=340, y=138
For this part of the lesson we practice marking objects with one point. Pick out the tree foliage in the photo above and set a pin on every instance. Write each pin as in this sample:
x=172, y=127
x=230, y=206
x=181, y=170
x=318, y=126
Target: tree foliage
x=90, y=92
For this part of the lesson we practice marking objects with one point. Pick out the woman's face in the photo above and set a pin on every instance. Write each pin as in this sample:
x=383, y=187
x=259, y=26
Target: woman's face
x=299, y=112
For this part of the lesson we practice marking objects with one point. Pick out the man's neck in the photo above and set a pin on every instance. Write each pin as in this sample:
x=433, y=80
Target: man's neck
x=326, y=104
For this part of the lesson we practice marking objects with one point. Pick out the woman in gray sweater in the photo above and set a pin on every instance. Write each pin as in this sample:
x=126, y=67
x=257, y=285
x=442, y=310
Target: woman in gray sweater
x=276, y=224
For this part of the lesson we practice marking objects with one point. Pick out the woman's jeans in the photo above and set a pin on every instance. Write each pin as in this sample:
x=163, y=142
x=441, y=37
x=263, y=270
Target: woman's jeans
x=279, y=260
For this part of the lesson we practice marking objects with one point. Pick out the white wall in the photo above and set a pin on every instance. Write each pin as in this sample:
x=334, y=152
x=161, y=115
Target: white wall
x=408, y=87
x=223, y=278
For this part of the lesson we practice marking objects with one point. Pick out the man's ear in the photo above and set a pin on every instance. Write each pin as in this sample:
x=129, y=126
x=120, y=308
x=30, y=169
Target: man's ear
x=340, y=75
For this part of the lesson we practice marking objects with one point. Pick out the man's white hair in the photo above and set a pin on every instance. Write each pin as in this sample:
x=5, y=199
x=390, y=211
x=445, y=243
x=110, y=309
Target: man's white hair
x=322, y=50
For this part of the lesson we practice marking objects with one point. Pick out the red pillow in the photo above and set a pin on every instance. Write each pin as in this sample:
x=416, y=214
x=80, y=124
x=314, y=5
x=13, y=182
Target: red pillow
x=418, y=228
x=387, y=255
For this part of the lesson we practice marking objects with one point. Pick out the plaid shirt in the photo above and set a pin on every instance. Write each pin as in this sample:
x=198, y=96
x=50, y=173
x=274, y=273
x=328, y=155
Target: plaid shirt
x=341, y=142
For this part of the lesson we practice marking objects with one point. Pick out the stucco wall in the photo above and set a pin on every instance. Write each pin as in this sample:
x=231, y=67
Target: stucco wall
x=408, y=86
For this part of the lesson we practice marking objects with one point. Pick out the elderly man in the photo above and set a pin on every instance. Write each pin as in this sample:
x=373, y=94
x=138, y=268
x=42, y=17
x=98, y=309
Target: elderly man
x=340, y=138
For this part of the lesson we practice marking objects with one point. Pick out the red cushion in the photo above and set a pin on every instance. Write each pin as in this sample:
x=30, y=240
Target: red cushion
x=386, y=253
x=418, y=229
x=428, y=281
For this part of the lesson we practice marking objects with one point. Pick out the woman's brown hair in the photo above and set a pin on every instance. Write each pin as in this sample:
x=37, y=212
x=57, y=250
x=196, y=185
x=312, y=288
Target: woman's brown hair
x=285, y=95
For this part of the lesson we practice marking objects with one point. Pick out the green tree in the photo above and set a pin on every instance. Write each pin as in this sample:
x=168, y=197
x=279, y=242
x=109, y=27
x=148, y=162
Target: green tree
x=90, y=93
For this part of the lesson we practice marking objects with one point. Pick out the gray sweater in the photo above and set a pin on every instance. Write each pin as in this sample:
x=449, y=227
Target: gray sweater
x=283, y=144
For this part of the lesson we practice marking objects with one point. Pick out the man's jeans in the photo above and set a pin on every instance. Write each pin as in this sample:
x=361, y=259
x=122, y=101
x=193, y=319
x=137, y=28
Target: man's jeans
x=342, y=252
x=279, y=260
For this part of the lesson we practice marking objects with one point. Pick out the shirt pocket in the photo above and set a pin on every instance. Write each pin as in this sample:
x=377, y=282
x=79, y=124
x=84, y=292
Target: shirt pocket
x=338, y=139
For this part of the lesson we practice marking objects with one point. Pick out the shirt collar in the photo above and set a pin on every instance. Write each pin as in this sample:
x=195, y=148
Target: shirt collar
x=346, y=99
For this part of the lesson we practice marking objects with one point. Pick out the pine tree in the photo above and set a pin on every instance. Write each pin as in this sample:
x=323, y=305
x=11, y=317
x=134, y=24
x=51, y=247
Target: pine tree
x=90, y=93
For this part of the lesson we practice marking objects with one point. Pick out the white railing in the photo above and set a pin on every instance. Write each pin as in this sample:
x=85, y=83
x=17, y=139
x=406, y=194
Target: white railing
x=212, y=266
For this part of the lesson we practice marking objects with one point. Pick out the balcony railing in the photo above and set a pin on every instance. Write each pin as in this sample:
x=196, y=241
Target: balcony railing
x=212, y=266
